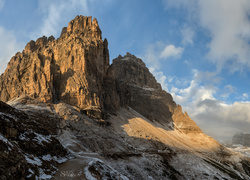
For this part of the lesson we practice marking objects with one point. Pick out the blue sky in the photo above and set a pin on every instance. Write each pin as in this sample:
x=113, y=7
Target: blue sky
x=198, y=50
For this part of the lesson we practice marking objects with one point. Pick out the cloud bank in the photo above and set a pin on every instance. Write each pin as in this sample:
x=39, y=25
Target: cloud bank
x=227, y=24
x=217, y=118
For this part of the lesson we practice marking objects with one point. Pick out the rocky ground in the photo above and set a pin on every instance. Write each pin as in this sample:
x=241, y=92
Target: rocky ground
x=29, y=148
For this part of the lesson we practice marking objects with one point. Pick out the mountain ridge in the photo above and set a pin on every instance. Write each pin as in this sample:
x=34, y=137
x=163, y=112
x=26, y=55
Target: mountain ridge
x=110, y=113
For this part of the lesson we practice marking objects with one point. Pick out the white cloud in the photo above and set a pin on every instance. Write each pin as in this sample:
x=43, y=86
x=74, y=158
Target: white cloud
x=171, y=51
x=153, y=56
x=245, y=96
x=8, y=47
x=193, y=94
x=187, y=36
x=57, y=12
x=217, y=118
x=228, y=24
x=228, y=90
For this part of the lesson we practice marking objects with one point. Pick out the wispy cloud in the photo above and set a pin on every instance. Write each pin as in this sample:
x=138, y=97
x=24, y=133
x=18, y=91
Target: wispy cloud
x=187, y=36
x=8, y=47
x=56, y=12
x=170, y=51
x=155, y=54
x=228, y=31
x=245, y=96
x=228, y=24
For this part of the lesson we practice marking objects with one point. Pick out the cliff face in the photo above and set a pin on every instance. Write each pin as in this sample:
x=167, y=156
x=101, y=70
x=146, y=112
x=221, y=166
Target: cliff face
x=75, y=69
x=138, y=88
x=69, y=69
x=115, y=119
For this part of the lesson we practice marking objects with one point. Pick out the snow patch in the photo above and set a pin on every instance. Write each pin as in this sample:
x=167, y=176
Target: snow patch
x=34, y=161
x=6, y=141
x=31, y=173
x=23, y=137
x=59, y=160
x=40, y=138
x=42, y=175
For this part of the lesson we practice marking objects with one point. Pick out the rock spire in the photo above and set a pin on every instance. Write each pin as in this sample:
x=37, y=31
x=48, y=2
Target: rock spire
x=70, y=68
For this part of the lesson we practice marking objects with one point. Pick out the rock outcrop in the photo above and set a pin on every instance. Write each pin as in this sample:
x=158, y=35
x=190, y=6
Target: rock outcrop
x=69, y=69
x=138, y=88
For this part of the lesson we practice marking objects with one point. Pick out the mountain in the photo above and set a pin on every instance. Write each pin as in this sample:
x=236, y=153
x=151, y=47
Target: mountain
x=241, y=138
x=114, y=120
x=240, y=143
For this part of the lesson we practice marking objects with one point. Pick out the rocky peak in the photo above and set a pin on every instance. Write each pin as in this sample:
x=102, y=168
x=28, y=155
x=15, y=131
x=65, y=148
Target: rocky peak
x=129, y=57
x=40, y=42
x=138, y=88
x=132, y=70
x=85, y=25
x=69, y=69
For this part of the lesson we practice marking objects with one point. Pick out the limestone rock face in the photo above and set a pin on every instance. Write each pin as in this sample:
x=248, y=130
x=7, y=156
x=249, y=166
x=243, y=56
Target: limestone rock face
x=75, y=69
x=70, y=68
x=138, y=88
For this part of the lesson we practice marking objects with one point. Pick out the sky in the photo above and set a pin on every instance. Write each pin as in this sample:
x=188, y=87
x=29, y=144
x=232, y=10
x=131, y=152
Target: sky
x=199, y=50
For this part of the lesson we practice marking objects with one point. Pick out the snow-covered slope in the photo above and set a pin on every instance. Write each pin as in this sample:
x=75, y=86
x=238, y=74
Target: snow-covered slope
x=129, y=146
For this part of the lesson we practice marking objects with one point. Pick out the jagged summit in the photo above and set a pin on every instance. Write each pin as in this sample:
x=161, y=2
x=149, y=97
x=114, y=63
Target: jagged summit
x=69, y=69
x=129, y=57
x=85, y=25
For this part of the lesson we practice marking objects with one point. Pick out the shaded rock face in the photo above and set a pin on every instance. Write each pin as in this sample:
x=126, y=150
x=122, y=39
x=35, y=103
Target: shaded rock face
x=241, y=138
x=69, y=69
x=137, y=87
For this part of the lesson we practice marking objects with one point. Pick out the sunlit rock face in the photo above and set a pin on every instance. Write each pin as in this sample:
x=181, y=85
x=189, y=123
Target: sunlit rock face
x=69, y=69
